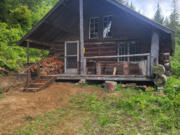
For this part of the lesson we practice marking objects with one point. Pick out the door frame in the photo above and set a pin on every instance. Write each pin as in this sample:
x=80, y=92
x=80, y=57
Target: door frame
x=65, y=56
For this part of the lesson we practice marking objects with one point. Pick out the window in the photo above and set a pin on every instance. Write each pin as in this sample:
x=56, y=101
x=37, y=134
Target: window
x=107, y=29
x=94, y=28
x=127, y=48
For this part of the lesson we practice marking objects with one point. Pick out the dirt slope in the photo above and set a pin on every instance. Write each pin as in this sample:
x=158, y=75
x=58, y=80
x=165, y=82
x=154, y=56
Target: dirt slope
x=16, y=107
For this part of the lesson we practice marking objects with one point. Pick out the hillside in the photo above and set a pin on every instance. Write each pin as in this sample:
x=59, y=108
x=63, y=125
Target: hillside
x=70, y=109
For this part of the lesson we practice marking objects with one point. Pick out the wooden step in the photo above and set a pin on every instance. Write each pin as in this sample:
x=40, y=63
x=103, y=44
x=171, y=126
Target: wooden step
x=40, y=84
x=32, y=89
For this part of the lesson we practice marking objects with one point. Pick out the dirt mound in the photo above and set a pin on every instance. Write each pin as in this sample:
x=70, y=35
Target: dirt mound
x=16, y=108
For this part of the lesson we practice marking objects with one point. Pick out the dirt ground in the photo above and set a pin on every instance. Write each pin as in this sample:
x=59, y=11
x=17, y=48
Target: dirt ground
x=17, y=105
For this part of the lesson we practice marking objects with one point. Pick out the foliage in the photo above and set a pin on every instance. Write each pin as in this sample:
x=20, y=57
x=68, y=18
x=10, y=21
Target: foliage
x=126, y=111
x=22, y=16
x=158, y=16
x=16, y=18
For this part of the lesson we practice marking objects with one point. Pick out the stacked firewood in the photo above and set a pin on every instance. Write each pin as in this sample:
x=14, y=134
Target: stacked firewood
x=165, y=61
x=48, y=66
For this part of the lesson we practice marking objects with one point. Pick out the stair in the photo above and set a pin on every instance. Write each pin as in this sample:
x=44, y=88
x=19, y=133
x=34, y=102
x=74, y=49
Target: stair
x=39, y=84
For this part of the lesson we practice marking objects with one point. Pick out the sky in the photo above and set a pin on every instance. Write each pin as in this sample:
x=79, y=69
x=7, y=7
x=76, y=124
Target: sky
x=148, y=7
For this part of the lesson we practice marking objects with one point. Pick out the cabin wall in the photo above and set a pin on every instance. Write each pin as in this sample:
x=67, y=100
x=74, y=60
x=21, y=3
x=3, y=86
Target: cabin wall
x=124, y=28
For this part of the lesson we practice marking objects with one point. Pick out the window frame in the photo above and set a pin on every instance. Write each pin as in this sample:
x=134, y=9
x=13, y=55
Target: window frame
x=98, y=36
x=109, y=37
x=128, y=48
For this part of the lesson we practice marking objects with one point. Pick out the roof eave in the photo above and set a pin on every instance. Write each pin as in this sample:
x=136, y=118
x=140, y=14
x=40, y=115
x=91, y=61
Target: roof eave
x=147, y=20
x=39, y=23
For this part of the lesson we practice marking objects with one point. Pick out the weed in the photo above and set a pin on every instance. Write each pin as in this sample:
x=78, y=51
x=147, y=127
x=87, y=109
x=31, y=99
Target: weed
x=1, y=91
x=2, y=96
x=28, y=118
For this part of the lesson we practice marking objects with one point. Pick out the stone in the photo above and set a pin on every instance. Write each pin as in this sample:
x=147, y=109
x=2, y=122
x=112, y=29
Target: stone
x=82, y=81
x=110, y=86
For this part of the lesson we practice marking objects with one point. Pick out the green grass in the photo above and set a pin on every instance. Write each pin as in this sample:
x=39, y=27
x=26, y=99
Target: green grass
x=2, y=96
x=42, y=124
x=90, y=85
x=127, y=111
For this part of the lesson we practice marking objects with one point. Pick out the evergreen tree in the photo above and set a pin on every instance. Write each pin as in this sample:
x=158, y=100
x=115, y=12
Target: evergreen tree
x=121, y=1
x=158, y=17
x=166, y=22
x=174, y=17
x=132, y=6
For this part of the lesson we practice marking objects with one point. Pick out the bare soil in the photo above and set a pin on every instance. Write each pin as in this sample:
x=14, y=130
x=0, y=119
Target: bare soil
x=18, y=105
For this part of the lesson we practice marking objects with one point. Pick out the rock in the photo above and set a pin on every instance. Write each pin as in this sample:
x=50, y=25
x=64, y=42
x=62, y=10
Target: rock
x=82, y=81
x=110, y=86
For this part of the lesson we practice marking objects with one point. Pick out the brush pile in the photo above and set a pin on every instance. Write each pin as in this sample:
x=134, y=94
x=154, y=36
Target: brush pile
x=48, y=66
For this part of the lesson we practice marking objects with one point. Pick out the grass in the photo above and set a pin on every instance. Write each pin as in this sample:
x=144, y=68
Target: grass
x=2, y=96
x=1, y=92
x=127, y=111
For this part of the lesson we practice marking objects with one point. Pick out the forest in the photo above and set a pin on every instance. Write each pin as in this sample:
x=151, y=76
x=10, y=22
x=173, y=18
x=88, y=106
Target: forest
x=17, y=17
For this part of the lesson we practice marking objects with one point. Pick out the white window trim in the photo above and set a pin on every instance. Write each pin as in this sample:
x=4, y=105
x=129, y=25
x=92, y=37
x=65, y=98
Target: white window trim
x=104, y=27
x=90, y=28
x=128, y=50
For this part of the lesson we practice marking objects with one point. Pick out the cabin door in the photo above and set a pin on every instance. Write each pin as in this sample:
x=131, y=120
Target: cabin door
x=71, y=57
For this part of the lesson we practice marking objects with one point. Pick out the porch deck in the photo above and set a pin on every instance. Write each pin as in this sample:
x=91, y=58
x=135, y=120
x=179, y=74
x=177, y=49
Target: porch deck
x=101, y=77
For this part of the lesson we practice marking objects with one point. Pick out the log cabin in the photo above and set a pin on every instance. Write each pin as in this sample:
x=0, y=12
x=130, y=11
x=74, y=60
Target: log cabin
x=101, y=40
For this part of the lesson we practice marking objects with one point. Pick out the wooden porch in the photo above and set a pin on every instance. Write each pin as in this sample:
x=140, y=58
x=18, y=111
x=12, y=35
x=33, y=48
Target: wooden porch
x=71, y=77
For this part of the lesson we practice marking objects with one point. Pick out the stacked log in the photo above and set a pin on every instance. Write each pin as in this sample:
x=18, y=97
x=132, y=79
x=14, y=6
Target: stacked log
x=165, y=60
x=160, y=77
x=48, y=66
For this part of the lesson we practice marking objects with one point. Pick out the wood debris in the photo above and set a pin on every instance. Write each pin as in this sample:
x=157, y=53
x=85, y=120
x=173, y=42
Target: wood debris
x=48, y=66
x=3, y=71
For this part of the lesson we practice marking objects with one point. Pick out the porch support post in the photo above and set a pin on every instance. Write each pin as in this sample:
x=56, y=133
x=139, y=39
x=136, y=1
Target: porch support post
x=81, y=36
x=28, y=52
x=154, y=50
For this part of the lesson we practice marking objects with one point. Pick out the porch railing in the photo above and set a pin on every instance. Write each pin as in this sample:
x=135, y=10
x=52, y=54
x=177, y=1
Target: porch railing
x=146, y=59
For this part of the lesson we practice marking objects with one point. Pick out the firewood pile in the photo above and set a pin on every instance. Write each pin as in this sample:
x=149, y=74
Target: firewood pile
x=48, y=66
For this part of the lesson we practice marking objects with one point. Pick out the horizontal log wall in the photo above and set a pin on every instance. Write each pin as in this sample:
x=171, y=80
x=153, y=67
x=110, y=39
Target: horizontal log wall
x=59, y=51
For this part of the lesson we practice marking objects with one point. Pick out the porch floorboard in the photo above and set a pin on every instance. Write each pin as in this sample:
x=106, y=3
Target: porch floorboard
x=101, y=77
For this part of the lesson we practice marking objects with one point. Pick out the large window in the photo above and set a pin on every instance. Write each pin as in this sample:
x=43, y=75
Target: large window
x=94, y=28
x=107, y=27
x=128, y=48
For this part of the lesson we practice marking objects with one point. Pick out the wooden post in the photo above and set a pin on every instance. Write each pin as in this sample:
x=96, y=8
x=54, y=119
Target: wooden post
x=28, y=52
x=28, y=79
x=149, y=66
x=98, y=68
x=154, y=50
x=38, y=71
x=81, y=36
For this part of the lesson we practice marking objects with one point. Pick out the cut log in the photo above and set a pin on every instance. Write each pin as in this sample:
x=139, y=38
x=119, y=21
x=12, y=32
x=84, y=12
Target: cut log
x=3, y=71
x=110, y=86
x=160, y=80
x=159, y=70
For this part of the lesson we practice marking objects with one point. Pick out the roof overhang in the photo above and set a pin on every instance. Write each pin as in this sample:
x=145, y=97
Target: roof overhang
x=113, y=2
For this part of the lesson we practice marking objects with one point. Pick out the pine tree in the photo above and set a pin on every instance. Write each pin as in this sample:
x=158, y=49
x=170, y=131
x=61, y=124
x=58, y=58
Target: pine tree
x=121, y=1
x=158, y=16
x=132, y=6
x=174, y=17
x=166, y=22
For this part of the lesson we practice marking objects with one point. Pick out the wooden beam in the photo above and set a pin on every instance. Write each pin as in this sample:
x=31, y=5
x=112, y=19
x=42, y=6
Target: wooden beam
x=120, y=56
x=40, y=22
x=28, y=53
x=41, y=43
x=81, y=35
x=154, y=50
